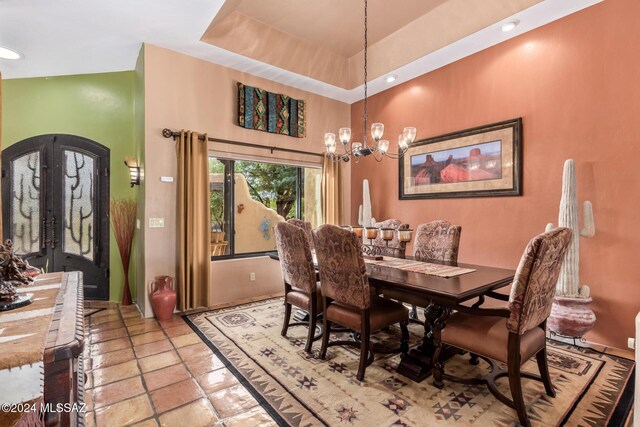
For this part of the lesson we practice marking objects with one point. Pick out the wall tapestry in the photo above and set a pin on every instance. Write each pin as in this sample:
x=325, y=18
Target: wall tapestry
x=270, y=112
x=483, y=161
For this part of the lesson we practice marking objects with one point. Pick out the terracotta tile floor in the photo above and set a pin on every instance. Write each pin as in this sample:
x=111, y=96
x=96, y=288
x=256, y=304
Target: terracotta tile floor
x=147, y=373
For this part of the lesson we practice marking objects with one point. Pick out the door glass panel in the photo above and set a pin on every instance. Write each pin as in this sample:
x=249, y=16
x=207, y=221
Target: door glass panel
x=25, y=203
x=78, y=204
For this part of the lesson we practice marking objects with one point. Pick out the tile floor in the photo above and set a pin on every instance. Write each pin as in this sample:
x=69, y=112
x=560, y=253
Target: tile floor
x=148, y=373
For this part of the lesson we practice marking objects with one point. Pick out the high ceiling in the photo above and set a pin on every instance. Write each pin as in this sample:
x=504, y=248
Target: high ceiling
x=315, y=45
x=335, y=24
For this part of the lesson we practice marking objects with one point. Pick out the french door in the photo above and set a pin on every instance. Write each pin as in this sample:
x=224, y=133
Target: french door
x=55, y=206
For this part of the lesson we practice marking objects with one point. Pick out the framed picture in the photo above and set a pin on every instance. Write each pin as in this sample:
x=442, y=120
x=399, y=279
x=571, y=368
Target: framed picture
x=481, y=162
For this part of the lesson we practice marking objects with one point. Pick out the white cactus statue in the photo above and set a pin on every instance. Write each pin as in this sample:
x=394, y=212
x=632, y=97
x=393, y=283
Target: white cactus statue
x=569, y=281
x=364, y=212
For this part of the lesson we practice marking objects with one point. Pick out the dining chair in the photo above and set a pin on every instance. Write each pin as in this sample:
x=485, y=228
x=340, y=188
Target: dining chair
x=437, y=240
x=300, y=286
x=306, y=226
x=347, y=298
x=515, y=334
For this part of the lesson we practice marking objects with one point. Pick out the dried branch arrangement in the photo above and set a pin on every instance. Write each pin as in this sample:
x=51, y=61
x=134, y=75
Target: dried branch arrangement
x=123, y=221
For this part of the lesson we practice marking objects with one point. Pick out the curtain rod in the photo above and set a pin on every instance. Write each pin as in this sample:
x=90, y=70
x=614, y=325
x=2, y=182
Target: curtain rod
x=168, y=133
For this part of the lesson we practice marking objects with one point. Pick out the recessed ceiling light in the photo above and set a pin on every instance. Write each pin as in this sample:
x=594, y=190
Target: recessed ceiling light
x=391, y=78
x=508, y=26
x=6, y=53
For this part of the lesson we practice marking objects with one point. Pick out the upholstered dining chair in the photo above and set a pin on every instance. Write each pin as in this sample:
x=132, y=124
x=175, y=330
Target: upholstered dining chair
x=346, y=295
x=306, y=226
x=300, y=286
x=515, y=334
x=437, y=240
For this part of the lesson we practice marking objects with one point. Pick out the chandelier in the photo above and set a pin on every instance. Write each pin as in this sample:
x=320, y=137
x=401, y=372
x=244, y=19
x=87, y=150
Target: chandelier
x=380, y=147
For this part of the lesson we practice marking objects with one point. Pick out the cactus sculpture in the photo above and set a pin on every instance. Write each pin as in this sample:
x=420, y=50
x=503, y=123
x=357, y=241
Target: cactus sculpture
x=364, y=211
x=569, y=283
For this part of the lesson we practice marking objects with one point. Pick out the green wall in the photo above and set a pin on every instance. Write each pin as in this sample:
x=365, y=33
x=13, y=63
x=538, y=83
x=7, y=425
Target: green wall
x=96, y=106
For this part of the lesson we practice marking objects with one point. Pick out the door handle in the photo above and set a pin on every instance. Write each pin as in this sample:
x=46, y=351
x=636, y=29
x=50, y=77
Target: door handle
x=49, y=233
x=45, y=241
x=53, y=232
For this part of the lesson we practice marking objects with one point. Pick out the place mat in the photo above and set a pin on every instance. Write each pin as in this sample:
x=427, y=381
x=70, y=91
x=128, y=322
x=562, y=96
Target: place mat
x=298, y=389
x=414, y=266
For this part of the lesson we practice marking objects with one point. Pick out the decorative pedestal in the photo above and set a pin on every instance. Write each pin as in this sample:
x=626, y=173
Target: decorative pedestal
x=571, y=317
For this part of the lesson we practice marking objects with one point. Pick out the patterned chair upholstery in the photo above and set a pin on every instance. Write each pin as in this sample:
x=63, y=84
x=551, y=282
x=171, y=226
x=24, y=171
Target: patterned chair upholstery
x=437, y=240
x=512, y=335
x=306, y=226
x=393, y=247
x=298, y=272
x=346, y=294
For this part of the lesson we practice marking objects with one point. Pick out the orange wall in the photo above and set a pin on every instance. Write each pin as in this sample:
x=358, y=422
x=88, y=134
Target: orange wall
x=575, y=84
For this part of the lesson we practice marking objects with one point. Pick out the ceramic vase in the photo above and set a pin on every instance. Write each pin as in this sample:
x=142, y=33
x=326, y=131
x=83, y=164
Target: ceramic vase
x=163, y=297
x=571, y=317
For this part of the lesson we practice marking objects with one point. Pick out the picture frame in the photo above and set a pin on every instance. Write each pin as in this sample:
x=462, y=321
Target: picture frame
x=485, y=161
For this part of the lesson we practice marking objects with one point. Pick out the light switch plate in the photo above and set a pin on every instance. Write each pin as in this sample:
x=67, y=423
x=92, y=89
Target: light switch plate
x=166, y=179
x=137, y=224
x=156, y=222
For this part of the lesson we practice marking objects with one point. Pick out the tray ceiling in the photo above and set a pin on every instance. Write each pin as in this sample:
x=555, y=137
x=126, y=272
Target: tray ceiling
x=314, y=45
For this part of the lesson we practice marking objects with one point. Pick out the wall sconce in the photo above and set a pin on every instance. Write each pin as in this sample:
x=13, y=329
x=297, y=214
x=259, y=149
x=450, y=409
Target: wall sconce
x=134, y=170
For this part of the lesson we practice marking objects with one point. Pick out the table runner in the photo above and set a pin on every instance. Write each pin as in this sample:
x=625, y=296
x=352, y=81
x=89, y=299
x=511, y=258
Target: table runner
x=23, y=334
x=429, y=268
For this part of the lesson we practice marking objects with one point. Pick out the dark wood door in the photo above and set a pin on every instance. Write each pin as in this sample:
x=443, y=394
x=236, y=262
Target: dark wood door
x=55, y=206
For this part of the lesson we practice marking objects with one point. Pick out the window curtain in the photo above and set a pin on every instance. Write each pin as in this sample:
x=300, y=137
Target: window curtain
x=194, y=221
x=331, y=191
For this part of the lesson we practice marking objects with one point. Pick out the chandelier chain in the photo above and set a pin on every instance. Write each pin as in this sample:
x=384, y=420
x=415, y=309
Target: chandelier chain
x=379, y=148
x=365, y=75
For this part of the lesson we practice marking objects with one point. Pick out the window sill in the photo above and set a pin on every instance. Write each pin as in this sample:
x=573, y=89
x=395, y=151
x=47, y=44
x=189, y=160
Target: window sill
x=241, y=256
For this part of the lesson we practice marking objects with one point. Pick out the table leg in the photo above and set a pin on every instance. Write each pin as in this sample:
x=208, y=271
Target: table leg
x=418, y=363
x=438, y=356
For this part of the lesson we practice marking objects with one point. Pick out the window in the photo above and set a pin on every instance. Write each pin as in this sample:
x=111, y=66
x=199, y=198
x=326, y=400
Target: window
x=245, y=209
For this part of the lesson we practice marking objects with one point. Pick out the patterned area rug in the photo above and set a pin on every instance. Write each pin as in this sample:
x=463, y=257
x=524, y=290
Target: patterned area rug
x=302, y=390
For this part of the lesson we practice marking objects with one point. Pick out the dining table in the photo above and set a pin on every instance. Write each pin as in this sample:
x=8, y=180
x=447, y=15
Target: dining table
x=421, y=282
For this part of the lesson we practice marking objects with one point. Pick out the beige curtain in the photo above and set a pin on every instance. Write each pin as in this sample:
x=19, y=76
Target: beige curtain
x=331, y=191
x=193, y=222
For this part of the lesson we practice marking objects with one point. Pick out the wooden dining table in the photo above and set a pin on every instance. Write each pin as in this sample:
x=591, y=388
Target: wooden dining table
x=439, y=296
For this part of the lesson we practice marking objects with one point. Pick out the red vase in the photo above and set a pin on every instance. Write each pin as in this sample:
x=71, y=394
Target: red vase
x=163, y=297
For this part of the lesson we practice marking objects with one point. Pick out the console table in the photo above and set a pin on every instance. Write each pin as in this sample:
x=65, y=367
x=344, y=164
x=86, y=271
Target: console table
x=41, y=348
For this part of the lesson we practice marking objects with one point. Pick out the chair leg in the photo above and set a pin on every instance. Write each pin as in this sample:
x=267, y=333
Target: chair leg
x=541, y=357
x=515, y=384
x=326, y=324
x=312, y=331
x=404, y=339
x=287, y=316
x=364, y=353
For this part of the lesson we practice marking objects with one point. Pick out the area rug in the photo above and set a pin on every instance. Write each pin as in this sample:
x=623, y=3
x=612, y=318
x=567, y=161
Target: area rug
x=298, y=389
